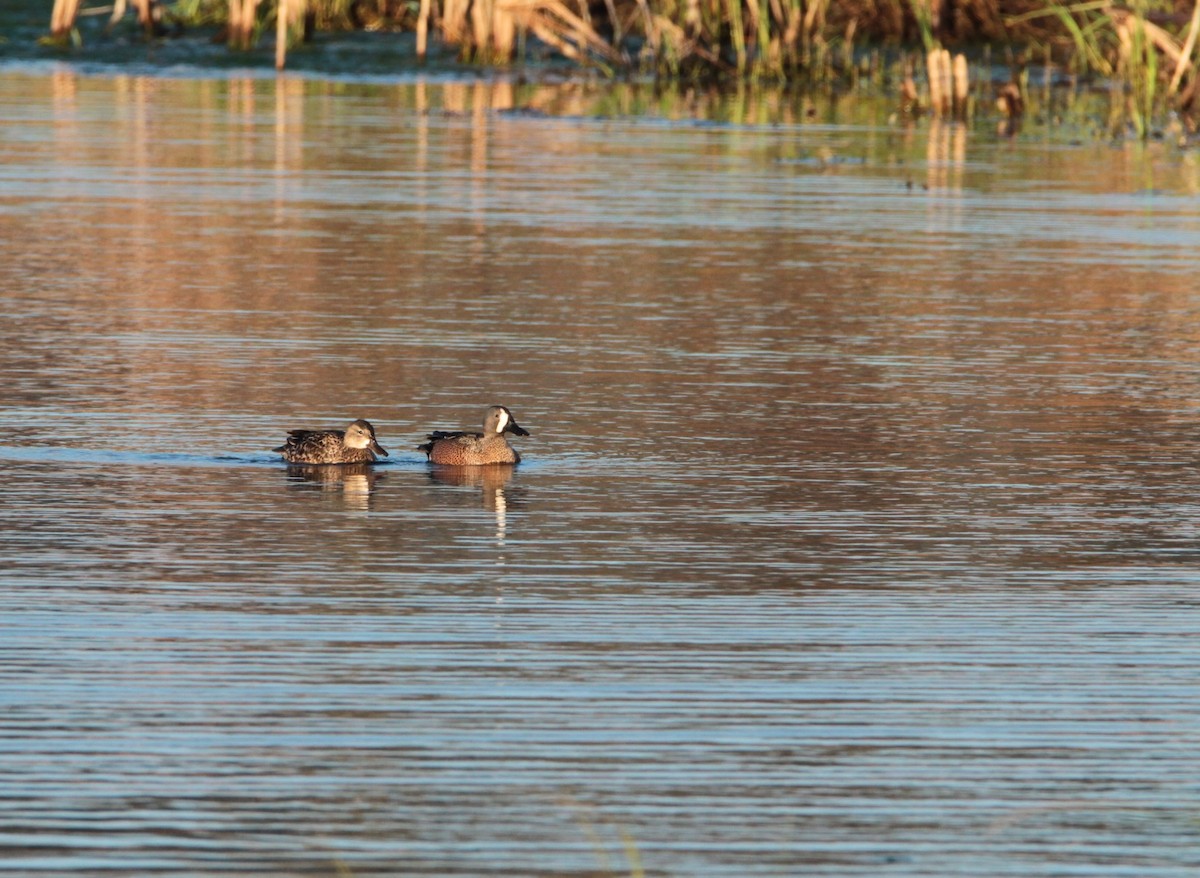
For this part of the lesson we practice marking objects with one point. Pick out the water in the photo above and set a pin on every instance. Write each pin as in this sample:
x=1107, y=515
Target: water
x=856, y=533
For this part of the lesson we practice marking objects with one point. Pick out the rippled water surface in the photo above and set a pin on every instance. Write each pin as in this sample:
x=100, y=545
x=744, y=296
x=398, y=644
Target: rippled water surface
x=857, y=533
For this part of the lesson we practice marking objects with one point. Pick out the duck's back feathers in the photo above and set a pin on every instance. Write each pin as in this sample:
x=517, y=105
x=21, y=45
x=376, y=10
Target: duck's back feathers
x=311, y=437
x=440, y=435
x=461, y=448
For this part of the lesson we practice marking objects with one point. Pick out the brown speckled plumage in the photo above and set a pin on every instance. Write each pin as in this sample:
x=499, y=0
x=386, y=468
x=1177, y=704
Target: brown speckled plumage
x=355, y=444
x=459, y=448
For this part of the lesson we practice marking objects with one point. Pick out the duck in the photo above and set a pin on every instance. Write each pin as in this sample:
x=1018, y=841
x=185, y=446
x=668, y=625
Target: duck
x=355, y=444
x=461, y=448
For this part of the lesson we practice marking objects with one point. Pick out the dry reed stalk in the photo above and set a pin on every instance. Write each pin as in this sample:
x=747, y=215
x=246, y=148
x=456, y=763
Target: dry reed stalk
x=766, y=45
x=585, y=16
x=493, y=29
x=941, y=81
x=235, y=20
x=848, y=44
x=615, y=20
x=651, y=31
x=737, y=31
x=148, y=14
x=949, y=83
x=480, y=15
x=814, y=21
x=145, y=14
x=241, y=22
x=674, y=45
x=778, y=15
x=423, y=29
x=753, y=15
x=672, y=41
x=553, y=23
x=962, y=85
x=282, y=13
x=504, y=33
x=791, y=24
x=454, y=20
x=62, y=17
x=1189, y=46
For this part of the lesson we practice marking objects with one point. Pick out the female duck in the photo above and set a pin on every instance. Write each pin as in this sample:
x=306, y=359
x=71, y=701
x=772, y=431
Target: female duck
x=354, y=445
x=476, y=449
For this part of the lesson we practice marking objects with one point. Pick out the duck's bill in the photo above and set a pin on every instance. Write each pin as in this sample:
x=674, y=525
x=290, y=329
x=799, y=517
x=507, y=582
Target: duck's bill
x=516, y=429
x=378, y=449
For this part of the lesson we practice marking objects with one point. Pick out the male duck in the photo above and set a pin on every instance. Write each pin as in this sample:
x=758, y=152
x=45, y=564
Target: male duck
x=476, y=449
x=355, y=445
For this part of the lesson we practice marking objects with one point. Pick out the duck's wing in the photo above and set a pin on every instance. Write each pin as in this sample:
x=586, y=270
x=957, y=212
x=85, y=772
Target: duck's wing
x=448, y=435
x=302, y=438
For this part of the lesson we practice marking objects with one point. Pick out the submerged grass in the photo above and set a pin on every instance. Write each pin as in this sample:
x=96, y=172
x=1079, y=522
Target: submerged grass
x=1146, y=49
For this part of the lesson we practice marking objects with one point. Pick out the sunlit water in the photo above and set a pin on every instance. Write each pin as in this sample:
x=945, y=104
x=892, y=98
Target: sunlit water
x=857, y=532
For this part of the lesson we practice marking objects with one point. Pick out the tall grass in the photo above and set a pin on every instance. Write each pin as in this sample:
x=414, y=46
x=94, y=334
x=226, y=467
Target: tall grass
x=1138, y=46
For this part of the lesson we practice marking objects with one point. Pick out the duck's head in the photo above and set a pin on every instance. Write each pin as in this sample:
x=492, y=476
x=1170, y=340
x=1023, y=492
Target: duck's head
x=500, y=420
x=361, y=434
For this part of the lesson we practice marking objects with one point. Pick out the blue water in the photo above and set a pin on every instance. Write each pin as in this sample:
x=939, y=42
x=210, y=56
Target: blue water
x=856, y=532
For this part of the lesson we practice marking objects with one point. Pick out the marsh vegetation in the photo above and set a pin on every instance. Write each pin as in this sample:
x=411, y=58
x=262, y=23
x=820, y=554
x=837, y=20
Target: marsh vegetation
x=919, y=50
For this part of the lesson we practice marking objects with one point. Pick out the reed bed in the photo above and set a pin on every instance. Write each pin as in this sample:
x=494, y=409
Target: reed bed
x=1148, y=47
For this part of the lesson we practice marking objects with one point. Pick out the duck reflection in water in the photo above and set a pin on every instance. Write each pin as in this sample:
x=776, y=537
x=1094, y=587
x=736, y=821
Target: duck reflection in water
x=492, y=482
x=352, y=482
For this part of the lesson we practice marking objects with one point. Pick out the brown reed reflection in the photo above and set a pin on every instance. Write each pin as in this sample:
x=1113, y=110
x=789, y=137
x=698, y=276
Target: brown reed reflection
x=946, y=155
